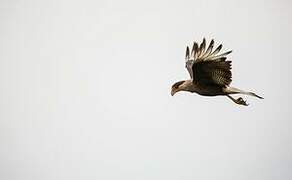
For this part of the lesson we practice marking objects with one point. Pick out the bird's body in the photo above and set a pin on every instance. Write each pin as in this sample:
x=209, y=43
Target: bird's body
x=203, y=89
x=210, y=73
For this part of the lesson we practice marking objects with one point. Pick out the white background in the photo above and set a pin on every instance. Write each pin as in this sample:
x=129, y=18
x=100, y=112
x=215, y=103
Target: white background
x=85, y=91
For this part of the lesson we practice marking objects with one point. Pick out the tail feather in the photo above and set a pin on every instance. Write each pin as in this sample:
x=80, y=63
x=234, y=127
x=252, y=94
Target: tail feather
x=255, y=95
x=233, y=90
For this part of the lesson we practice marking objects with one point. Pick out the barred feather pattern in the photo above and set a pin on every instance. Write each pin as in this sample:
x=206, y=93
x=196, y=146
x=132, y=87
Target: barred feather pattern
x=208, y=67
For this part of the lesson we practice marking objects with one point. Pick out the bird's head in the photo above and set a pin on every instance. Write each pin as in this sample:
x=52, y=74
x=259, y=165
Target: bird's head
x=176, y=87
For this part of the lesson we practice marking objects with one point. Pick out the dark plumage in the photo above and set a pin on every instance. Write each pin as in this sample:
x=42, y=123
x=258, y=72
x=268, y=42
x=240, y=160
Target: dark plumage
x=210, y=73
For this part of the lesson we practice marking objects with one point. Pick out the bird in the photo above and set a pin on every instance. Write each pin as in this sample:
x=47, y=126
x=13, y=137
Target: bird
x=210, y=73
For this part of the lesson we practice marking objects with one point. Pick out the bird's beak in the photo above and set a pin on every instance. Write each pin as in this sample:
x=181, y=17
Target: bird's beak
x=173, y=91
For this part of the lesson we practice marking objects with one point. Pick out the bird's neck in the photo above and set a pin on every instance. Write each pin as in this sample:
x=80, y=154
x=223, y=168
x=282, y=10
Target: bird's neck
x=189, y=85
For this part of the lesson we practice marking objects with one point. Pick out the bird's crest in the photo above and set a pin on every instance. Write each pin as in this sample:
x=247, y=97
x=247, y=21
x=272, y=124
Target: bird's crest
x=177, y=84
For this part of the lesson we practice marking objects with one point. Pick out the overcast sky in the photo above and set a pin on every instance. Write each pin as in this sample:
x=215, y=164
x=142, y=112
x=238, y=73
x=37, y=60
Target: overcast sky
x=85, y=91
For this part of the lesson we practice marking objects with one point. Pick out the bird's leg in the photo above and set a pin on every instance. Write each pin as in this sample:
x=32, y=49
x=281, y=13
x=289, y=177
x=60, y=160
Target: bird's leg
x=239, y=100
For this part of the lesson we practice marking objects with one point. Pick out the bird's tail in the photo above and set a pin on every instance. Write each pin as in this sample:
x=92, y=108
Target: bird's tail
x=233, y=90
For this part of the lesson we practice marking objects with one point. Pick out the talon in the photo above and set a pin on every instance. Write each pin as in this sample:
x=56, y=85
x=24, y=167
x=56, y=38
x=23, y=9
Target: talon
x=240, y=101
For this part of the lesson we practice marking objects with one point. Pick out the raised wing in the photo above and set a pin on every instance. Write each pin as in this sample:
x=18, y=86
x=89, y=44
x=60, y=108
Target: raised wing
x=206, y=66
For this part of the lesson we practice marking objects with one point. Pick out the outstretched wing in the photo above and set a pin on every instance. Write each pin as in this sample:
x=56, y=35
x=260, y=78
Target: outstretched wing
x=208, y=67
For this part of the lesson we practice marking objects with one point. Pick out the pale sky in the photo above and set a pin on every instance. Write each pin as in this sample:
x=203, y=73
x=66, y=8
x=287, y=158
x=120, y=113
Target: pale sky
x=85, y=91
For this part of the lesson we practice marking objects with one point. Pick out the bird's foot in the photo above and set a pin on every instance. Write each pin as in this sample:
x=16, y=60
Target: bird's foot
x=240, y=101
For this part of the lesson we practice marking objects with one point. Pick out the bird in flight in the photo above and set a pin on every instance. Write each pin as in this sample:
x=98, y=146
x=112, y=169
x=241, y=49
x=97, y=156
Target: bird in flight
x=210, y=73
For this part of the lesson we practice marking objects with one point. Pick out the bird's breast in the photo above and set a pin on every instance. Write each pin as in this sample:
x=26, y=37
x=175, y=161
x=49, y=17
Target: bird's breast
x=208, y=90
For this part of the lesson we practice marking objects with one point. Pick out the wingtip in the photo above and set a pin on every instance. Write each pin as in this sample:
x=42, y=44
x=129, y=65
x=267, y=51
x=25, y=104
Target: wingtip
x=187, y=52
x=204, y=41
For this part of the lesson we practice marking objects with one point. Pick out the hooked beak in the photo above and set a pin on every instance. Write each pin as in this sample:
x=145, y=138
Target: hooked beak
x=173, y=91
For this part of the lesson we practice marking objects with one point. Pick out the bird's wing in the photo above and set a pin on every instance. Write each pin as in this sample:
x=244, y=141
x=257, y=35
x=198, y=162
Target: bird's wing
x=208, y=67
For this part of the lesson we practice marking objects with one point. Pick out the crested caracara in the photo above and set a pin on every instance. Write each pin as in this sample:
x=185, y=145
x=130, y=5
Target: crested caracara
x=210, y=73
